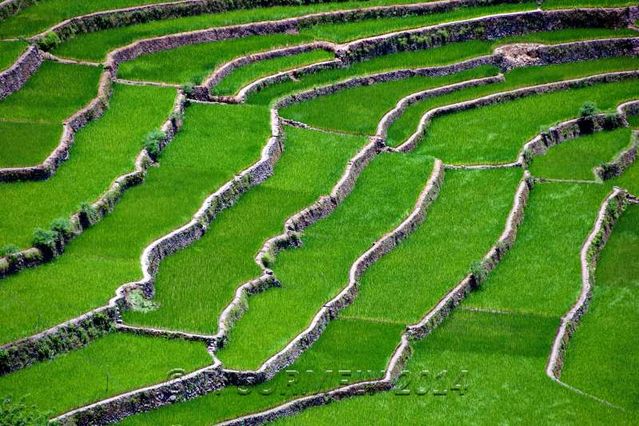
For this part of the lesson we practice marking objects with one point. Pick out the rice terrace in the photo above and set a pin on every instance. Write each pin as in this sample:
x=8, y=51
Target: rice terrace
x=319, y=212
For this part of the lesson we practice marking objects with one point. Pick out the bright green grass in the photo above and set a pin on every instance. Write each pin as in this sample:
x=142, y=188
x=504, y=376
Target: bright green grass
x=109, y=366
x=31, y=118
x=461, y=226
x=106, y=148
x=245, y=75
x=483, y=135
x=629, y=179
x=194, y=62
x=25, y=144
x=576, y=159
x=46, y=13
x=10, y=51
x=565, y=211
x=95, y=46
x=504, y=356
x=201, y=158
x=370, y=327
x=447, y=54
x=365, y=105
x=602, y=358
x=317, y=271
x=557, y=4
x=633, y=121
x=486, y=195
x=437, y=56
x=369, y=347
x=224, y=259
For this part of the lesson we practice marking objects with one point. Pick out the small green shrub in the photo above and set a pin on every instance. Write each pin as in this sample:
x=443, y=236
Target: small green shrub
x=152, y=142
x=9, y=249
x=49, y=41
x=479, y=271
x=588, y=109
x=44, y=238
x=62, y=226
x=187, y=88
x=89, y=212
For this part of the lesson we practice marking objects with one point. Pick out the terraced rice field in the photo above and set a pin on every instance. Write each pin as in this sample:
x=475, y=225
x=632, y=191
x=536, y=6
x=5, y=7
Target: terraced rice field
x=319, y=212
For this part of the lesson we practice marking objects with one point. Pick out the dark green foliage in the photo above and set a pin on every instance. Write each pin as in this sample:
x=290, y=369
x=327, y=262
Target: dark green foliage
x=152, y=143
x=478, y=271
x=9, y=249
x=62, y=226
x=44, y=238
x=588, y=109
x=49, y=41
x=17, y=413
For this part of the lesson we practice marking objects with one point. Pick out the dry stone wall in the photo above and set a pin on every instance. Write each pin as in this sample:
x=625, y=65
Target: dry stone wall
x=13, y=78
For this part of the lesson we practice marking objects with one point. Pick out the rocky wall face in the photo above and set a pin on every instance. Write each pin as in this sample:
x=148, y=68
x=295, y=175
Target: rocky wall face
x=13, y=78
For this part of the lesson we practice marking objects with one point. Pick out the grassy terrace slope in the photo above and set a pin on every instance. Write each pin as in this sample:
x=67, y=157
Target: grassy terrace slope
x=240, y=232
x=192, y=63
x=103, y=150
x=46, y=13
x=602, y=359
x=451, y=138
x=109, y=366
x=504, y=353
x=9, y=52
x=577, y=158
x=474, y=140
x=232, y=83
x=311, y=163
x=473, y=204
x=317, y=271
x=31, y=119
x=195, y=164
x=95, y=46
x=447, y=54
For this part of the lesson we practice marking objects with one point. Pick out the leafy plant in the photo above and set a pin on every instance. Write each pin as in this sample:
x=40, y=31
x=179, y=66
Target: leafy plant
x=88, y=211
x=62, y=226
x=588, y=109
x=152, y=142
x=479, y=271
x=44, y=238
x=9, y=249
x=49, y=41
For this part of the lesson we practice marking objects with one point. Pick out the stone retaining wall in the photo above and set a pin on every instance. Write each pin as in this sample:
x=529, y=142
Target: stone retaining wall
x=144, y=13
x=13, y=78
x=568, y=130
x=399, y=359
x=487, y=28
x=416, y=137
x=112, y=410
x=609, y=212
x=221, y=72
x=62, y=338
x=330, y=310
x=11, y=7
x=624, y=160
x=80, y=221
x=47, y=168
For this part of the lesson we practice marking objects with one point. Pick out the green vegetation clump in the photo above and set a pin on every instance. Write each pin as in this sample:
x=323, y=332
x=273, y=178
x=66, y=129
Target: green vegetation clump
x=588, y=109
x=153, y=141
